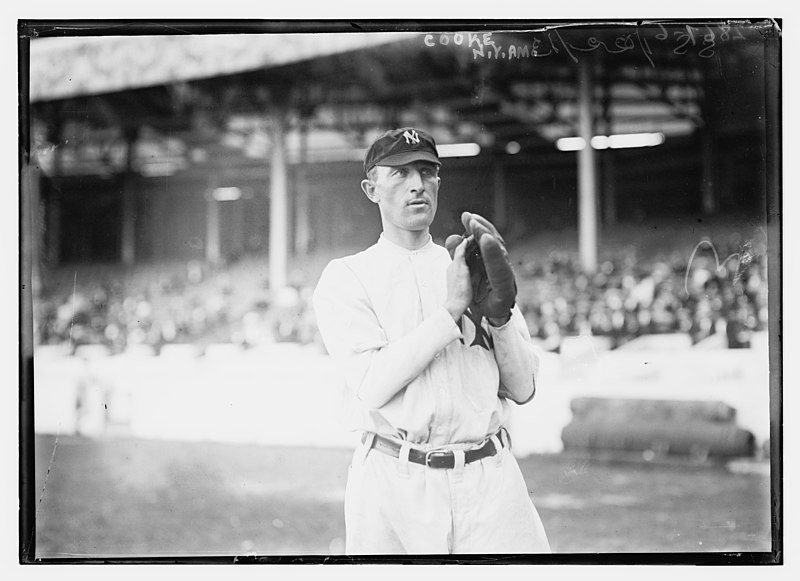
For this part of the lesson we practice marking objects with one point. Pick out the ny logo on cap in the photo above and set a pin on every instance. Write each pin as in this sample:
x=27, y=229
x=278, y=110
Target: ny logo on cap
x=411, y=137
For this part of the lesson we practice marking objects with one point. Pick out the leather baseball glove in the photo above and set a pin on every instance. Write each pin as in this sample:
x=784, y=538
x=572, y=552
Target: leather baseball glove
x=494, y=289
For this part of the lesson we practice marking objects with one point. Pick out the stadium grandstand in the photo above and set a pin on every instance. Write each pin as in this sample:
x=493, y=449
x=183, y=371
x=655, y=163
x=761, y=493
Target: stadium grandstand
x=189, y=189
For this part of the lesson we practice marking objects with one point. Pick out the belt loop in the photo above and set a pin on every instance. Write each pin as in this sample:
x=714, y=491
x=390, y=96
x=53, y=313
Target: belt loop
x=368, y=440
x=460, y=459
x=505, y=437
x=402, y=460
x=498, y=448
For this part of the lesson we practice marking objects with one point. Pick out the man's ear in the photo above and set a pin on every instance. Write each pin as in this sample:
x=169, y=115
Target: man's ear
x=369, y=190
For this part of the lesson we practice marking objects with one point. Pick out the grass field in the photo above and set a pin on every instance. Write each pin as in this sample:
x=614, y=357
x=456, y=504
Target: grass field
x=123, y=497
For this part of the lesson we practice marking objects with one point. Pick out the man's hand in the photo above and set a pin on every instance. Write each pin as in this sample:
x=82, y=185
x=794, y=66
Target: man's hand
x=493, y=285
x=459, y=285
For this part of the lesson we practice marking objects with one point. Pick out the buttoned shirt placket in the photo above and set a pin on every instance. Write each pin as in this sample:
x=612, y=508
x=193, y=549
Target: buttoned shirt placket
x=443, y=413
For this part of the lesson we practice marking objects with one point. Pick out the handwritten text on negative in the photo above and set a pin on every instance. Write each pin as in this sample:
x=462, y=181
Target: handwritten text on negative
x=703, y=40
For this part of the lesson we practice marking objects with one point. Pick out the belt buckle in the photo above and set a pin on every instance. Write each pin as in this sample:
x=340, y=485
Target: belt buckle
x=431, y=457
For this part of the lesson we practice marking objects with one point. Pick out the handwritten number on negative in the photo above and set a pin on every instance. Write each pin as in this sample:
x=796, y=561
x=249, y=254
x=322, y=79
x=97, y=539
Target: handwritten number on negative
x=687, y=37
x=708, y=44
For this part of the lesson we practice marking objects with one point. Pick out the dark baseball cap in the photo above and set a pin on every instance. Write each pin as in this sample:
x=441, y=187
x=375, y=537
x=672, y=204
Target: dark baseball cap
x=399, y=147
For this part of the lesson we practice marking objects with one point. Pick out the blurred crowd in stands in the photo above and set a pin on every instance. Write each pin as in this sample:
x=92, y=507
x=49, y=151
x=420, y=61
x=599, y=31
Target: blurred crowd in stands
x=190, y=303
x=626, y=298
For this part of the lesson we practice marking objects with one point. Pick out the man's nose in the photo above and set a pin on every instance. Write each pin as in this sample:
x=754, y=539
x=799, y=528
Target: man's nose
x=415, y=182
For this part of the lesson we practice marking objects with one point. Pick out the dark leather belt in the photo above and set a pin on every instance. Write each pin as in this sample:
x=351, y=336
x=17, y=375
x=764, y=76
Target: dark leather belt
x=431, y=458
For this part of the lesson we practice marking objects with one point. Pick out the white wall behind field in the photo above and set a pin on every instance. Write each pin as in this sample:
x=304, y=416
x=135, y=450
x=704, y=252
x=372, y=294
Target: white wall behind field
x=286, y=394
x=671, y=371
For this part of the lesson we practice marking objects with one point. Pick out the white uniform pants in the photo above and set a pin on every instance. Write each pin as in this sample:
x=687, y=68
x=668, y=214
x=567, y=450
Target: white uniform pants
x=393, y=506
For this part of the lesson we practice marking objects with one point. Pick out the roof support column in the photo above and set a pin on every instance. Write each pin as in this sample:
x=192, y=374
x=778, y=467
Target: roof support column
x=278, y=204
x=128, y=251
x=587, y=172
x=212, y=245
x=52, y=234
x=302, y=243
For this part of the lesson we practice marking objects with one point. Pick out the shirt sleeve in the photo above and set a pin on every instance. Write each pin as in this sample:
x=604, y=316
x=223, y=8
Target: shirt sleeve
x=376, y=369
x=516, y=359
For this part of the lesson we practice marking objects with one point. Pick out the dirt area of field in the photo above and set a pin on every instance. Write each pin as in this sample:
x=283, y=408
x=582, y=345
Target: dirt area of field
x=126, y=497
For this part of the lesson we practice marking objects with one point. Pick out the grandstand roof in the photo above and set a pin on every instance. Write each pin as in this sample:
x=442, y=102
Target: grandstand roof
x=491, y=86
x=70, y=66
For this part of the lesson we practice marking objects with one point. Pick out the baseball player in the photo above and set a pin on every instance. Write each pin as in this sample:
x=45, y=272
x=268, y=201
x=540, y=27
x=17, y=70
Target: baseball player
x=432, y=347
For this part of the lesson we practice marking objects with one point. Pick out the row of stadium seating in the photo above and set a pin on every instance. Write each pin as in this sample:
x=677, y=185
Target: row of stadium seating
x=626, y=299
x=194, y=302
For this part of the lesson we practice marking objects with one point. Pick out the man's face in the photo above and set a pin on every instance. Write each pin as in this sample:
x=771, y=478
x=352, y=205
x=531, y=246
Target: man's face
x=407, y=195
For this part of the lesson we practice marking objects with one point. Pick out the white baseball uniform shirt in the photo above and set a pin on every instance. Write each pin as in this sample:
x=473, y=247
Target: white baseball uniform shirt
x=380, y=313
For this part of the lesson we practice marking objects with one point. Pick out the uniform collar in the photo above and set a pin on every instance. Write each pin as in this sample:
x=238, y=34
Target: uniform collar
x=385, y=244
